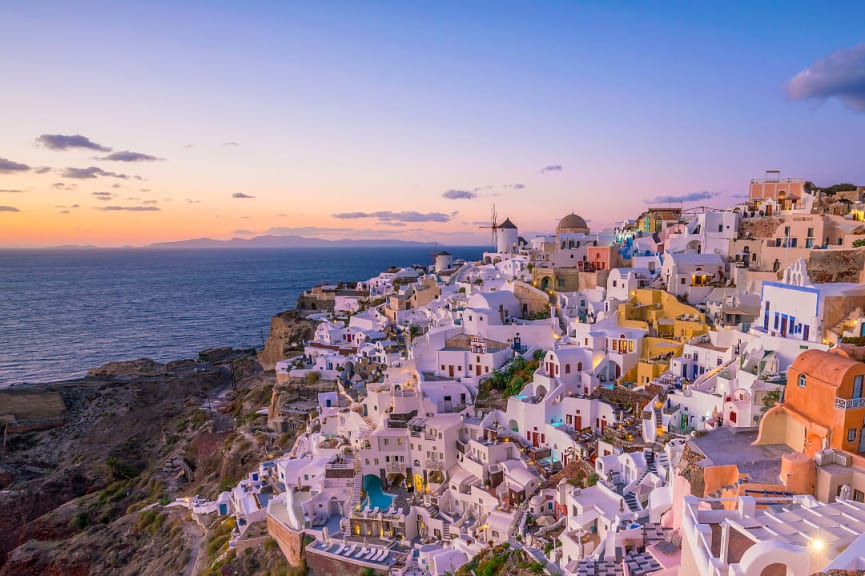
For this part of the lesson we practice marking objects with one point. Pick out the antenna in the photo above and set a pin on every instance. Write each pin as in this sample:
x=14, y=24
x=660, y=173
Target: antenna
x=494, y=227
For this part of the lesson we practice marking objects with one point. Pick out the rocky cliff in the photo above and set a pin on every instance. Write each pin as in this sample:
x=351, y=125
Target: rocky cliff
x=86, y=496
x=288, y=331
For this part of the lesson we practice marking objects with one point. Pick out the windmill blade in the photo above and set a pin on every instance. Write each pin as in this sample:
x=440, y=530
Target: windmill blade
x=495, y=228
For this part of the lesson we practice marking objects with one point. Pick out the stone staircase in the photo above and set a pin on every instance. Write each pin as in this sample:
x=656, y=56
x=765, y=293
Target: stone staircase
x=631, y=501
x=651, y=466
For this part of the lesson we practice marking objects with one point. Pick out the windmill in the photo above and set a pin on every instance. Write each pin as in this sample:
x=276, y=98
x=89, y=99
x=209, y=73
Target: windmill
x=494, y=228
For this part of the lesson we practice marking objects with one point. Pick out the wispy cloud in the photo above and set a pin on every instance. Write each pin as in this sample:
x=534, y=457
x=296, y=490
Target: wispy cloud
x=9, y=209
x=241, y=195
x=129, y=209
x=231, y=143
x=191, y=201
x=459, y=194
x=63, y=186
x=69, y=142
x=42, y=170
x=104, y=196
x=127, y=156
x=9, y=191
x=551, y=168
x=388, y=216
x=150, y=201
x=10, y=167
x=92, y=172
x=514, y=186
x=689, y=197
x=839, y=75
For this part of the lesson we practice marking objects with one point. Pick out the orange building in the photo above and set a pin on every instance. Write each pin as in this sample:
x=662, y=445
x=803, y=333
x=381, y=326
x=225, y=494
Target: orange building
x=603, y=257
x=777, y=188
x=824, y=405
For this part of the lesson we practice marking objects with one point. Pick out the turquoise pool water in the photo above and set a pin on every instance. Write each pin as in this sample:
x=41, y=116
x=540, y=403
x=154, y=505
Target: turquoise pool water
x=264, y=497
x=521, y=397
x=375, y=496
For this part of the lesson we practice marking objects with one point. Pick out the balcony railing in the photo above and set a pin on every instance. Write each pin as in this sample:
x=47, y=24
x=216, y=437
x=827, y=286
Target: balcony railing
x=848, y=403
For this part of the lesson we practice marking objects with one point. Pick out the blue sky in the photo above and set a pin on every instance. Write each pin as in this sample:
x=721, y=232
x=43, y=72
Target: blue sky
x=359, y=109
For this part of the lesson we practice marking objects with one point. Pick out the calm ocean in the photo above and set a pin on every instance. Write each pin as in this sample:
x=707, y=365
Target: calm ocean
x=62, y=312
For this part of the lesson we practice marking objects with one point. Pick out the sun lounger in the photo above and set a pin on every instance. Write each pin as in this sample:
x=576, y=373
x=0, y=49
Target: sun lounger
x=361, y=552
x=350, y=550
x=372, y=552
x=339, y=550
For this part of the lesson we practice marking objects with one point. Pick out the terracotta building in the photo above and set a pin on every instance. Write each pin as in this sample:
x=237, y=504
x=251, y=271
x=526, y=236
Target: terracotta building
x=824, y=405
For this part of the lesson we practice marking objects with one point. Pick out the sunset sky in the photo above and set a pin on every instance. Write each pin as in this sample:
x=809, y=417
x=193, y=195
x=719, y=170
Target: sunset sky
x=130, y=123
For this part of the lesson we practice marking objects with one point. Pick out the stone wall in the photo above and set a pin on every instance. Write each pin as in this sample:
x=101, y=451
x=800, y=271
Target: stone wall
x=325, y=565
x=535, y=301
x=759, y=227
x=290, y=542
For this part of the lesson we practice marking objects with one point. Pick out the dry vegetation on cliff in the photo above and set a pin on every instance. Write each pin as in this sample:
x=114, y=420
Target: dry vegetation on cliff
x=88, y=497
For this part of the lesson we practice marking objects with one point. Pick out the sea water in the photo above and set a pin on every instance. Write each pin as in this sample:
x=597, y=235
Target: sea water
x=64, y=311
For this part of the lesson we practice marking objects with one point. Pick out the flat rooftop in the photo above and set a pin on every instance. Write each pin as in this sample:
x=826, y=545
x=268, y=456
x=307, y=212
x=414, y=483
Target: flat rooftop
x=726, y=445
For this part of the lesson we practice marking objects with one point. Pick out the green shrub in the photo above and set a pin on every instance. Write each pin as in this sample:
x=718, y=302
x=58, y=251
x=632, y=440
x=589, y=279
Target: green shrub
x=80, y=521
x=120, y=469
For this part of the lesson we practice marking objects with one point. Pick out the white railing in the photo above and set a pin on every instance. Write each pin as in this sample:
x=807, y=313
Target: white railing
x=847, y=403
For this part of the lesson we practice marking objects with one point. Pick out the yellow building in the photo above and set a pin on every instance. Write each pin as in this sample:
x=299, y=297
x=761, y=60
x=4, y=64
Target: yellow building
x=669, y=324
x=662, y=315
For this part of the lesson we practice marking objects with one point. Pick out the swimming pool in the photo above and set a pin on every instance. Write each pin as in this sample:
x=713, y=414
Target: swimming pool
x=521, y=397
x=263, y=498
x=375, y=496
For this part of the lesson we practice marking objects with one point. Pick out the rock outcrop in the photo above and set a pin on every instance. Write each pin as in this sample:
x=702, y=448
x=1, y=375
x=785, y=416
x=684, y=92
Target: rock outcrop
x=288, y=331
x=129, y=368
x=837, y=266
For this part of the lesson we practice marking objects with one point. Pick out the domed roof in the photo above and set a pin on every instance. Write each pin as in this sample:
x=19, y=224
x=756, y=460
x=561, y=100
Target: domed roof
x=507, y=224
x=572, y=222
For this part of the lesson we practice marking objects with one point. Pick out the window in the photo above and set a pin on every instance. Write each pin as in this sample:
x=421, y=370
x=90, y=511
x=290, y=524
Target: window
x=567, y=368
x=801, y=380
x=857, y=386
x=851, y=435
x=682, y=282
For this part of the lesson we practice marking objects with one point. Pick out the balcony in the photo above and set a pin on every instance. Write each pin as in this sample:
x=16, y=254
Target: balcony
x=848, y=403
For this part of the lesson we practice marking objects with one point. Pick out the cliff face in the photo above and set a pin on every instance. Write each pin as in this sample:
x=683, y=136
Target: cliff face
x=288, y=331
x=837, y=266
x=85, y=495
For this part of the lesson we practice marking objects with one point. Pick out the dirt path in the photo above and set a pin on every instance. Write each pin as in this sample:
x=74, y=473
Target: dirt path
x=196, y=534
